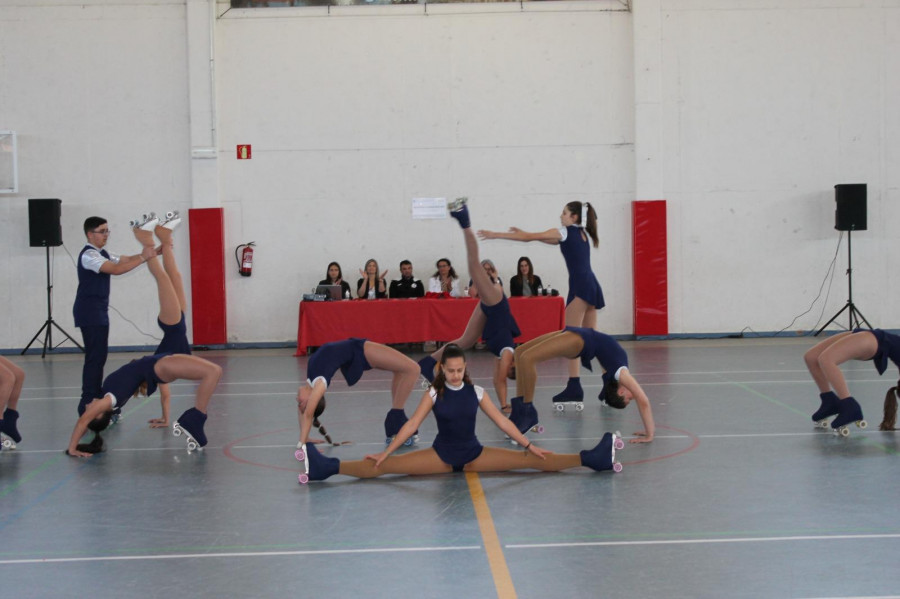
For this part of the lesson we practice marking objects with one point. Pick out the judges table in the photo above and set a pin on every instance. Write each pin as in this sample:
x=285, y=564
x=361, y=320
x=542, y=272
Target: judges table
x=415, y=320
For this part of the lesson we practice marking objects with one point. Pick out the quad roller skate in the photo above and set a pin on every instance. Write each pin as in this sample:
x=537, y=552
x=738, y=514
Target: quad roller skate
x=147, y=222
x=573, y=393
x=460, y=212
x=172, y=220
x=315, y=465
x=560, y=404
x=191, y=425
x=10, y=434
x=603, y=456
x=116, y=417
x=830, y=407
x=393, y=422
x=524, y=416
x=849, y=411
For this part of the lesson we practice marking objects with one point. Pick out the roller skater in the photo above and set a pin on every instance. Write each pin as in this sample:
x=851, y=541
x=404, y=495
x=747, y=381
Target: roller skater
x=823, y=361
x=578, y=231
x=491, y=319
x=619, y=386
x=145, y=374
x=455, y=402
x=11, y=380
x=353, y=357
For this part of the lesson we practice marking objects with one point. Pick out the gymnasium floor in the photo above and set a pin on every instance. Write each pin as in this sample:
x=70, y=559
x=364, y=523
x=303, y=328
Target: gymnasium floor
x=738, y=496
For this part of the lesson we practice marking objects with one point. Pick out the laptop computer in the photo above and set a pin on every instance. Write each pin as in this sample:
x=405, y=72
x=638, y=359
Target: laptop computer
x=331, y=292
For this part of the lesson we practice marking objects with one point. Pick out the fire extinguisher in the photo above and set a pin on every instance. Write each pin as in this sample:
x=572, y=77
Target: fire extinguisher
x=245, y=261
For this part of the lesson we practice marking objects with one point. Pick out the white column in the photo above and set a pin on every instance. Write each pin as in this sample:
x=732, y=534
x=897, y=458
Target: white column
x=201, y=21
x=648, y=156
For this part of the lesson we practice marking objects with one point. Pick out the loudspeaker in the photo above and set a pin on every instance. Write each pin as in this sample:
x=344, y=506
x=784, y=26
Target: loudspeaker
x=850, y=212
x=44, y=227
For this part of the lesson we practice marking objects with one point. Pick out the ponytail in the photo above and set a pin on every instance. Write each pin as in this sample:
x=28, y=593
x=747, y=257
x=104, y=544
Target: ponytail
x=320, y=407
x=890, y=409
x=587, y=218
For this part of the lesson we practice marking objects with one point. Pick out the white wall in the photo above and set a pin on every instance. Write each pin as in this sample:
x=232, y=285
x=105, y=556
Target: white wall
x=96, y=92
x=768, y=105
x=350, y=117
x=764, y=106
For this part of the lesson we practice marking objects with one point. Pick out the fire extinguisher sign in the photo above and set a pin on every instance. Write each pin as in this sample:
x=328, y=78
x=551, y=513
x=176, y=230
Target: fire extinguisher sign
x=243, y=152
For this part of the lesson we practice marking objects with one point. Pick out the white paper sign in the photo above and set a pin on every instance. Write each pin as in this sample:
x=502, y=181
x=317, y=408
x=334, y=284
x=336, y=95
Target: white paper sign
x=429, y=208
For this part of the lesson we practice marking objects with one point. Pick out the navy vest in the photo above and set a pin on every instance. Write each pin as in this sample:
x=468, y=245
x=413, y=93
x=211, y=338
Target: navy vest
x=92, y=298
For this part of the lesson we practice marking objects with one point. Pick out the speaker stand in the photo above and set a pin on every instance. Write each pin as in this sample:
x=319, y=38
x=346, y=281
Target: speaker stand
x=49, y=323
x=854, y=314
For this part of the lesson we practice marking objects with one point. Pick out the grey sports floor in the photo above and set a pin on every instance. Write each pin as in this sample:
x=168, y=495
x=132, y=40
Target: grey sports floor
x=738, y=496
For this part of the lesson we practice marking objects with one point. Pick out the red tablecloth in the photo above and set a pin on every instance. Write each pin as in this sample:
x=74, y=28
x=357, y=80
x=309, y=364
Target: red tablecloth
x=415, y=320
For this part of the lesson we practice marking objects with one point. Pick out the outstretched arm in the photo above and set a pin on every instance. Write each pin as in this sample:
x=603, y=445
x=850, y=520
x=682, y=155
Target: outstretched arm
x=406, y=431
x=643, y=404
x=93, y=410
x=550, y=236
x=127, y=263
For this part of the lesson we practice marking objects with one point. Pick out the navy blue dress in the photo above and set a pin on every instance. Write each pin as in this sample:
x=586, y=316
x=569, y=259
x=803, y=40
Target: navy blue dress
x=604, y=348
x=346, y=355
x=582, y=282
x=174, y=339
x=124, y=382
x=888, y=349
x=455, y=412
x=501, y=328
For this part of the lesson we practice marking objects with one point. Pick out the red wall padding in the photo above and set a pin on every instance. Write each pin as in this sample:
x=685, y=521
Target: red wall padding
x=651, y=288
x=207, y=227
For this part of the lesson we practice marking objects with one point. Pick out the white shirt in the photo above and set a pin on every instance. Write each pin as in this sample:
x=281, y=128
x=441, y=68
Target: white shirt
x=92, y=259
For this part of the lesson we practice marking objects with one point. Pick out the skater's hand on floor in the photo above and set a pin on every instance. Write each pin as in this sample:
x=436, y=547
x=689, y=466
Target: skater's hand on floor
x=641, y=437
x=79, y=454
x=377, y=458
x=158, y=422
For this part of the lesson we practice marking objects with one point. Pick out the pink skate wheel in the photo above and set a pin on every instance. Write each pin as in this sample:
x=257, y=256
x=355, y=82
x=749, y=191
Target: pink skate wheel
x=617, y=467
x=538, y=429
x=299, y=455
x=303, y=478
x=620, y=444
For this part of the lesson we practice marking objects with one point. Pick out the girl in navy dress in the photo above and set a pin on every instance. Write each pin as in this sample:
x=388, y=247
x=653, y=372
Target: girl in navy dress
x=11, y=380
x=619, y=387
x=455, y=402
x=353, y=357
x=823, y=361
x=491, y=319
x=145, y=374
x=574, y=238
x=174, y=339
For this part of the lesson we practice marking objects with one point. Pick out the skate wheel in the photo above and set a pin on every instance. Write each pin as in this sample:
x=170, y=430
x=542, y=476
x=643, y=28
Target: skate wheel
x=560, y=407
x=299, y=455
x=619, y=444
x=579, y=407
x=170, y=215
x=176, y=431
x=408, y=442
x=845, y=432
x=303, y=479
x=191, y=445
x=513, y=442
x=9, y=444
x=862, y=424
x=538, y=428
x=617, y=467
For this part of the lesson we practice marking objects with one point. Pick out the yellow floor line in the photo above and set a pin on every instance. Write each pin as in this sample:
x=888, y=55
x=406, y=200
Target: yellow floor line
x=496, y=559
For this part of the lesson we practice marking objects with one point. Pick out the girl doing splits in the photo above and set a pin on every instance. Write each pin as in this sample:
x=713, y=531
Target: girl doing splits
x=579, y=222
x=491, y=319
x=145, y=374
x=619, y=387
x=455, y=402
x=353, y=357
x=823, y=361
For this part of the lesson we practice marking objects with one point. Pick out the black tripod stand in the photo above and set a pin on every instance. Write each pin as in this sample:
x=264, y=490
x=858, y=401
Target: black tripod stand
x=855, y=315
x=49, y=323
